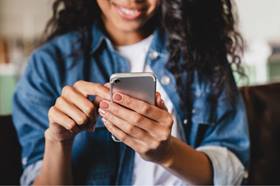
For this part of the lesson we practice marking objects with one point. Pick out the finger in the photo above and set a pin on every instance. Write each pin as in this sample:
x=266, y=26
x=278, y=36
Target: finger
x=159, y=102
x=71, y=111
x=128, y=128
x=141, y=107
x=97, y=100
x=107, y=85
x=76, y=98
x=122, y=136
x=58, y=117
x=162, y=105
x=158, y=98
x=92, y=89
x=150, y=126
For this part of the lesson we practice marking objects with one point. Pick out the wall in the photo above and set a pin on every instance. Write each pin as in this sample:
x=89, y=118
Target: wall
x=23, y=18
x=260, y=19
x=26, y=18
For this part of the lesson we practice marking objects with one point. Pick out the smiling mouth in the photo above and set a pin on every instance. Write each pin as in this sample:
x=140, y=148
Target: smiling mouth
x=128, y=13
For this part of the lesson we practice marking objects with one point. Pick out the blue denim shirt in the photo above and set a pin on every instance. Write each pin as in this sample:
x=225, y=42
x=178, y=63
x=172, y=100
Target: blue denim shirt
x=96, y=158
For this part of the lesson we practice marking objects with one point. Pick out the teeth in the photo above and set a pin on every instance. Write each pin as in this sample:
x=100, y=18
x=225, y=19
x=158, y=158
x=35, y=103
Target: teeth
x=127, y=11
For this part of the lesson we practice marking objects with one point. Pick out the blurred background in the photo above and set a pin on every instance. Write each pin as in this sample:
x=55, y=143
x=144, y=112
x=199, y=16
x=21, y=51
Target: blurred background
x=22, y=23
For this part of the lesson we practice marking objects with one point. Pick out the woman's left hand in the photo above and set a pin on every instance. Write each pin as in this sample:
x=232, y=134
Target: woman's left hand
x=144, y=127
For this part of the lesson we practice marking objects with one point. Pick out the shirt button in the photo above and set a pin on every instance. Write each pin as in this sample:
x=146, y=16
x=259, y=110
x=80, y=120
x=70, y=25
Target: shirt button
x=193, y=111
x=165, y=80
x=185, y=121
x=154, y=55
x=24, y=161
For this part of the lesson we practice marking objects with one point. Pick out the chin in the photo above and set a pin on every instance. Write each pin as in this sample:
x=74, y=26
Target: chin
x=129, y=27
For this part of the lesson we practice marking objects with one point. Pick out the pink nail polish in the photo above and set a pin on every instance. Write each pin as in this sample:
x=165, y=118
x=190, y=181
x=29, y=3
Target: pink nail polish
x=104, y=105
x=117, y=97
x=101, y=112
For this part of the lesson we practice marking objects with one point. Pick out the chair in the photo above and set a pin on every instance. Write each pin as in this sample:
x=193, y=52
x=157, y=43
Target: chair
x=263, y=110
x=10, y=160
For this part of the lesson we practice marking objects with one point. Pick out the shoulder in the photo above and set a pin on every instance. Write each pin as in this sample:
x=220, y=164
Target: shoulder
x=55, y=54
x=60, y=46
x=47, y=63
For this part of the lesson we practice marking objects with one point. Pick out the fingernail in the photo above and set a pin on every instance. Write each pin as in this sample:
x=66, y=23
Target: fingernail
x=117, y=97
x=104, y=105
x=101, y=112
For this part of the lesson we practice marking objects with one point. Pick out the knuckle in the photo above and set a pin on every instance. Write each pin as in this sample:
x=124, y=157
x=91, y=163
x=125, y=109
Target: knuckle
x=138, y=118
x=164, y=137
x=59, y=101
x=81, y=120
x=71, y=125
x=145, y=109
x=89, y=107
x=51, y=111
x=98, y=86
x=66, y=90
x=139, y=134
x=78, y=83
x=130, y=129
x=123, y=137
x=169, y=120
x=144, y=150
x=155, y=145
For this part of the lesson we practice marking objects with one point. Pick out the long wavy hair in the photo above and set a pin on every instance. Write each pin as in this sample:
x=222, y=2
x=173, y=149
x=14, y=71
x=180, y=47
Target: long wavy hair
x=202, y=32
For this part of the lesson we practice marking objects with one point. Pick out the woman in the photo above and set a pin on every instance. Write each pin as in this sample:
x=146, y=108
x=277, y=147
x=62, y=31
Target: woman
x=195, y=134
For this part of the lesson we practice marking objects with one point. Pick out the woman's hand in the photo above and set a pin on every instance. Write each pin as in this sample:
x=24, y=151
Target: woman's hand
x=145, y=128
x=73, y=112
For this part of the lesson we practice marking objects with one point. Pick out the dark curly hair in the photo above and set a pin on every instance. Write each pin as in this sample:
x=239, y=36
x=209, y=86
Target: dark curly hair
x=203, y=32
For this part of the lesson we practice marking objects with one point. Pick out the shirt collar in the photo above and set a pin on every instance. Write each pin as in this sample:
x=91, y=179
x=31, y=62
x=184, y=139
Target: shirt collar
x=159, y=42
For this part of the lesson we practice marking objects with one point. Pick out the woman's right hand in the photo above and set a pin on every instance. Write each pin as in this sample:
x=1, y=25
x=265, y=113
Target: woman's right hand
x=73, y=112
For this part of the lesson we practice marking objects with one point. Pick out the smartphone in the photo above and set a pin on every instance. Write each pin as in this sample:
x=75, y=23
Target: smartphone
x=137, y=85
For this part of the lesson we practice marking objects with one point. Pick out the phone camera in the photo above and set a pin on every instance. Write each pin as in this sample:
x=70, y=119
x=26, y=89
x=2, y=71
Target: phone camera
x=117, y=81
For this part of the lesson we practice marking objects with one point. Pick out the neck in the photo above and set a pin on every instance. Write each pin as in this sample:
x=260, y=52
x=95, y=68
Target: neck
x=121, y=38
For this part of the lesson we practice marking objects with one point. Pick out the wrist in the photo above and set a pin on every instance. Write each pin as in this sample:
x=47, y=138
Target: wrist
x=54, y=138
x=168, y=157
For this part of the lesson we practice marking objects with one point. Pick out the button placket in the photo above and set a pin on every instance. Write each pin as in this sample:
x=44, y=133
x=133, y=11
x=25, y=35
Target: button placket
x=153, y=55
x=165, y=80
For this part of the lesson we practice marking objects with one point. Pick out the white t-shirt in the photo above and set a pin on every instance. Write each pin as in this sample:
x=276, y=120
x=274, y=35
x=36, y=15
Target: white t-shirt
x=148, y=173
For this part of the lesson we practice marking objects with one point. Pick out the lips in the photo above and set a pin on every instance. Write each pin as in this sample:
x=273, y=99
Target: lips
x=128, y=13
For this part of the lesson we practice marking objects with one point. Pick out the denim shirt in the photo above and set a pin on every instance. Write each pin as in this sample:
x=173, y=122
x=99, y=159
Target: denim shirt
x=96, y=159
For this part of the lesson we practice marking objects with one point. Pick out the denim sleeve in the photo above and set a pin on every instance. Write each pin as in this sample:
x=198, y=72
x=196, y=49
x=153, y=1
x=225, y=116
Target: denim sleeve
x=33, y=97
x=225, y=138
x=227, y=168
x=230, y=129
x=30, y=173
